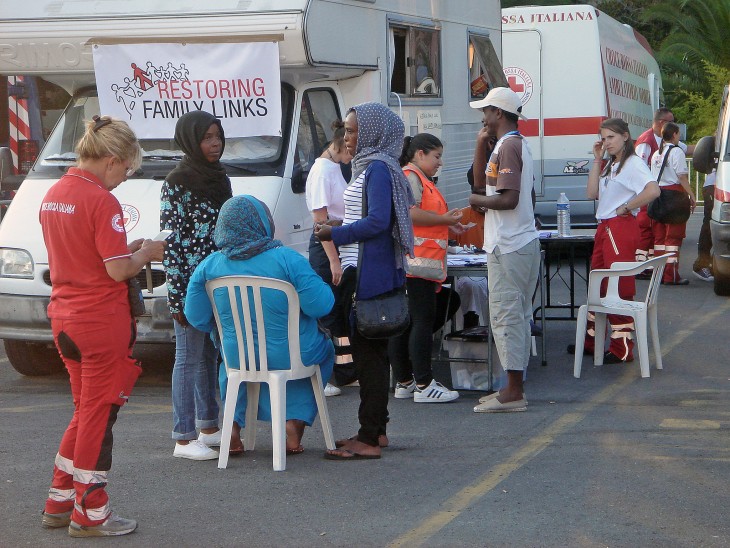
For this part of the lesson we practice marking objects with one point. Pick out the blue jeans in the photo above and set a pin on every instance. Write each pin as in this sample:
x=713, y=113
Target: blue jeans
x=194, y=378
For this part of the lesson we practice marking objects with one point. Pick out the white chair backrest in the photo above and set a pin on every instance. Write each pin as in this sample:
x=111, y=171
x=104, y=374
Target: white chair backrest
x=632, y=268
x=243, y=295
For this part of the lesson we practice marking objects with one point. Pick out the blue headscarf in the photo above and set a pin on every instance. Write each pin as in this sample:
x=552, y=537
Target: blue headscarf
x=380, y=137
x=245, y=228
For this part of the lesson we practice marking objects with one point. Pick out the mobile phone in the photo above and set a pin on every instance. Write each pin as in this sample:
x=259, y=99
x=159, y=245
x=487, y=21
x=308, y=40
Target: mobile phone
x=163, y=235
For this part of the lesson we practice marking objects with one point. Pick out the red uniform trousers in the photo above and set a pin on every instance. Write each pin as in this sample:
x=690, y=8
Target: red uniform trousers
x=646, y=246
x=97, y=354
x=668, y=239
x=616, y=241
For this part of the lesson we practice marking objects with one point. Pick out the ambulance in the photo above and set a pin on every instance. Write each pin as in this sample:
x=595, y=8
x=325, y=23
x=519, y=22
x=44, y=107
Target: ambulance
x=573, y=67
x=426, y=59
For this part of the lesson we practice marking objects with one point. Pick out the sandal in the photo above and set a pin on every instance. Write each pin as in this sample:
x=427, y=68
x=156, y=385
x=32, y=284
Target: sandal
x=382, y=441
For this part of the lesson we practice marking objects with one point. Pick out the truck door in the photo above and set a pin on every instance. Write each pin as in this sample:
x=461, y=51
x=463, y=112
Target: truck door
x=522, y=62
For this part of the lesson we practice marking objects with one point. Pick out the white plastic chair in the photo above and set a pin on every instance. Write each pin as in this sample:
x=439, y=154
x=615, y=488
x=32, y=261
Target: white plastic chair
x=238, y=289
x=643, y=312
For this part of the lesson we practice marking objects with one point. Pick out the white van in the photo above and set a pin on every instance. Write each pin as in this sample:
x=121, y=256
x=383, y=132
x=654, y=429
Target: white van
x=713, y=152
x=573, y=67
x=425, y=58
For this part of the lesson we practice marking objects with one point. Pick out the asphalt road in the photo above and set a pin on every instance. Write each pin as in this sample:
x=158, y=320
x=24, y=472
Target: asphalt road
x=609, y=459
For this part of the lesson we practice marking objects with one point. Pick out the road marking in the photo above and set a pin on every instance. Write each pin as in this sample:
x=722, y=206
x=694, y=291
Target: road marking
x=453, y=507
x=690, y=424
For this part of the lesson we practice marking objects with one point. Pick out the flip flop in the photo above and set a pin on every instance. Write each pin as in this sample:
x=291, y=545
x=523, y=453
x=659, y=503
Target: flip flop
x=298, y=451
x=382, y=441
x=346, y=454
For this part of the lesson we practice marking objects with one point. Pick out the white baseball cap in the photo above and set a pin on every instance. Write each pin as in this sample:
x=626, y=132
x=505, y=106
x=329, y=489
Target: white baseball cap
x=503, y=98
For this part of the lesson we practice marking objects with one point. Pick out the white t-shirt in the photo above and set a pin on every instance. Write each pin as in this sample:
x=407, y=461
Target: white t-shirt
x=676, y=165
x=510, y=167
x=325, y=186
x=615, y=189
x=710, y=179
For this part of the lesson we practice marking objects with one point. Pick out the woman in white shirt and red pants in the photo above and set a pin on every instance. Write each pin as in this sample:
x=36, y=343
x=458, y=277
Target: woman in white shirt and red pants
x=668, y=237
x=621, y=187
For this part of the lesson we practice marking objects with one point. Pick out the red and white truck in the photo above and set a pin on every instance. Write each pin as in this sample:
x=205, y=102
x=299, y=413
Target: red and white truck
x=573, y=67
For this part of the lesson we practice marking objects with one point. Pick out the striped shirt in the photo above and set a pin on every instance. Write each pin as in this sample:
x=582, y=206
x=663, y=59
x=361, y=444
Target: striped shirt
x=353, y=212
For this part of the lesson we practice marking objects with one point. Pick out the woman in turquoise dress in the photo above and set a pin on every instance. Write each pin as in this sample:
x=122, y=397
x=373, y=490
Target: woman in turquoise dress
x=244, y=237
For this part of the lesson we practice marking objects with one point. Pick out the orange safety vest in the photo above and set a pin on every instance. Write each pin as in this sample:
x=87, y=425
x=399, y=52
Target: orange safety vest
x=430, y=241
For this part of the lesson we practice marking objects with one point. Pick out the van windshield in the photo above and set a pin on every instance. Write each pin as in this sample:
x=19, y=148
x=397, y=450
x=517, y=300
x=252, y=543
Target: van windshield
x=243, y=156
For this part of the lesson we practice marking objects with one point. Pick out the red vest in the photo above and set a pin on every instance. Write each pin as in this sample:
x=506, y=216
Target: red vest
x=430, y=241
x=648, y=138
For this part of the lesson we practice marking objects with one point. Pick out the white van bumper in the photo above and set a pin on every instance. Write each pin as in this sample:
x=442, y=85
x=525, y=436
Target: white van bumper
x=24, y=318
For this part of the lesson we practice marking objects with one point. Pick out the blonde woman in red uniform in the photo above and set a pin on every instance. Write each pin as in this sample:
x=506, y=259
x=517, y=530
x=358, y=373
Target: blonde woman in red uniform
x=93, y=328
x=621, y=187
x=410, y=352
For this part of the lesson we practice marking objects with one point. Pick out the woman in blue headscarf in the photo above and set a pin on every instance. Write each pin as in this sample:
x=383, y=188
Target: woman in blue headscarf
x=244, y=237
x=383, y=232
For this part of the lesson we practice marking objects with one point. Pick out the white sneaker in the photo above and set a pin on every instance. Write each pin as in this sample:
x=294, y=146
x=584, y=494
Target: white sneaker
x=211, y=440
x=331, y=390
x=434, y=393
x=113, y=526
x=403, y=391
x=195, y=450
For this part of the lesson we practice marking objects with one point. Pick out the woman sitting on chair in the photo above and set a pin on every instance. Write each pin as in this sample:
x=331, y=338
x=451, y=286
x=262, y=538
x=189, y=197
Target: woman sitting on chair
x=244, y=236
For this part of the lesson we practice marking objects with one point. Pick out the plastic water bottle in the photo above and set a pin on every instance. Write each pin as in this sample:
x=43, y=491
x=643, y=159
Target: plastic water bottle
x=563, y=215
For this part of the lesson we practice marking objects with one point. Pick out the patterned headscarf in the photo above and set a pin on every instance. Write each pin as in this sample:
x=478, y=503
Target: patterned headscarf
x=380, y=137
x=245, y=228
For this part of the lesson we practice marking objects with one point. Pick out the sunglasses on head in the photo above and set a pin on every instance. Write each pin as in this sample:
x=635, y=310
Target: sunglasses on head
x=100, y=122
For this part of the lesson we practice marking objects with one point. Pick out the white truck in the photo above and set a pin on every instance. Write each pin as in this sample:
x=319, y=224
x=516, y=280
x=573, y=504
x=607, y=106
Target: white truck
x=425, y=58
x=713, y=152
x=574, y=66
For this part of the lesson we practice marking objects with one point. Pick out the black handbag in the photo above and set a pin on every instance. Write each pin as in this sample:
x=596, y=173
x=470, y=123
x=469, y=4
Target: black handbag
x=382, y=316
x=385, y=315
x=672, y=207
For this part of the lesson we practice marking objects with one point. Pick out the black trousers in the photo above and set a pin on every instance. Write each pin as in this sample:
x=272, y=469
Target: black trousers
x=372, y=366
x=704, y=243
x=344, y=370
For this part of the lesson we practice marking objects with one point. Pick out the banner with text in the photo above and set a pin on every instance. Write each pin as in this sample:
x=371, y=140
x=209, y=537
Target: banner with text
x=151, y=85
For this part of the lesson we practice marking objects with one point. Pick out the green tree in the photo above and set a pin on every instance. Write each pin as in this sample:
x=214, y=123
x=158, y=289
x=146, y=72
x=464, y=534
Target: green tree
x=698, y=33
x=700, y=111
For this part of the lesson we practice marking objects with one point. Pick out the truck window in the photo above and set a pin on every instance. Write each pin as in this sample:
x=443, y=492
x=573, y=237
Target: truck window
x=415, y=58
x=319, y=109
x=485, y=70
x=262, y=155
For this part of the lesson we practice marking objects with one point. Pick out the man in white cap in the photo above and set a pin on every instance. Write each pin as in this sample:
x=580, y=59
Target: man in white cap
x=510, y=239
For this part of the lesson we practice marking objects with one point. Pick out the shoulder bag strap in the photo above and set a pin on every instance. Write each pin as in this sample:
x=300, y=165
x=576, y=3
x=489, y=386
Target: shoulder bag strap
x=664, y=163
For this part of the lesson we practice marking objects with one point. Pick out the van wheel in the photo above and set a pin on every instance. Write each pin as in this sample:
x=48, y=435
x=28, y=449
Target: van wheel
x=722, y=285
x=33, y=359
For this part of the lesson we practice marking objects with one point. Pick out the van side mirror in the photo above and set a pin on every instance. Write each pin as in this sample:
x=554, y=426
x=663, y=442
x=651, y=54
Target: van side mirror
x=704, y=158
x=298, y=178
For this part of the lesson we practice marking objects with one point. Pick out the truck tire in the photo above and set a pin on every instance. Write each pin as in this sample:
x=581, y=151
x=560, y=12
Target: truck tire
x=33, y=359
x=722, y=285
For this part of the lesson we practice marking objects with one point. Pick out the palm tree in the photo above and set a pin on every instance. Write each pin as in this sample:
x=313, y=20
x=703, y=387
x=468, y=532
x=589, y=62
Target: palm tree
x=698, y=33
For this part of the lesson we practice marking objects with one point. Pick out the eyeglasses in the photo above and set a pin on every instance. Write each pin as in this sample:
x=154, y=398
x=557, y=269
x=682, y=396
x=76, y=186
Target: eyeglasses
x=667, y=120
x=100, y=122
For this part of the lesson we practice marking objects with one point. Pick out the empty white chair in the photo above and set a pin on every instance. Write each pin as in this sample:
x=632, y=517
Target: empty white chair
x=643, y=312
x=247, y=317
